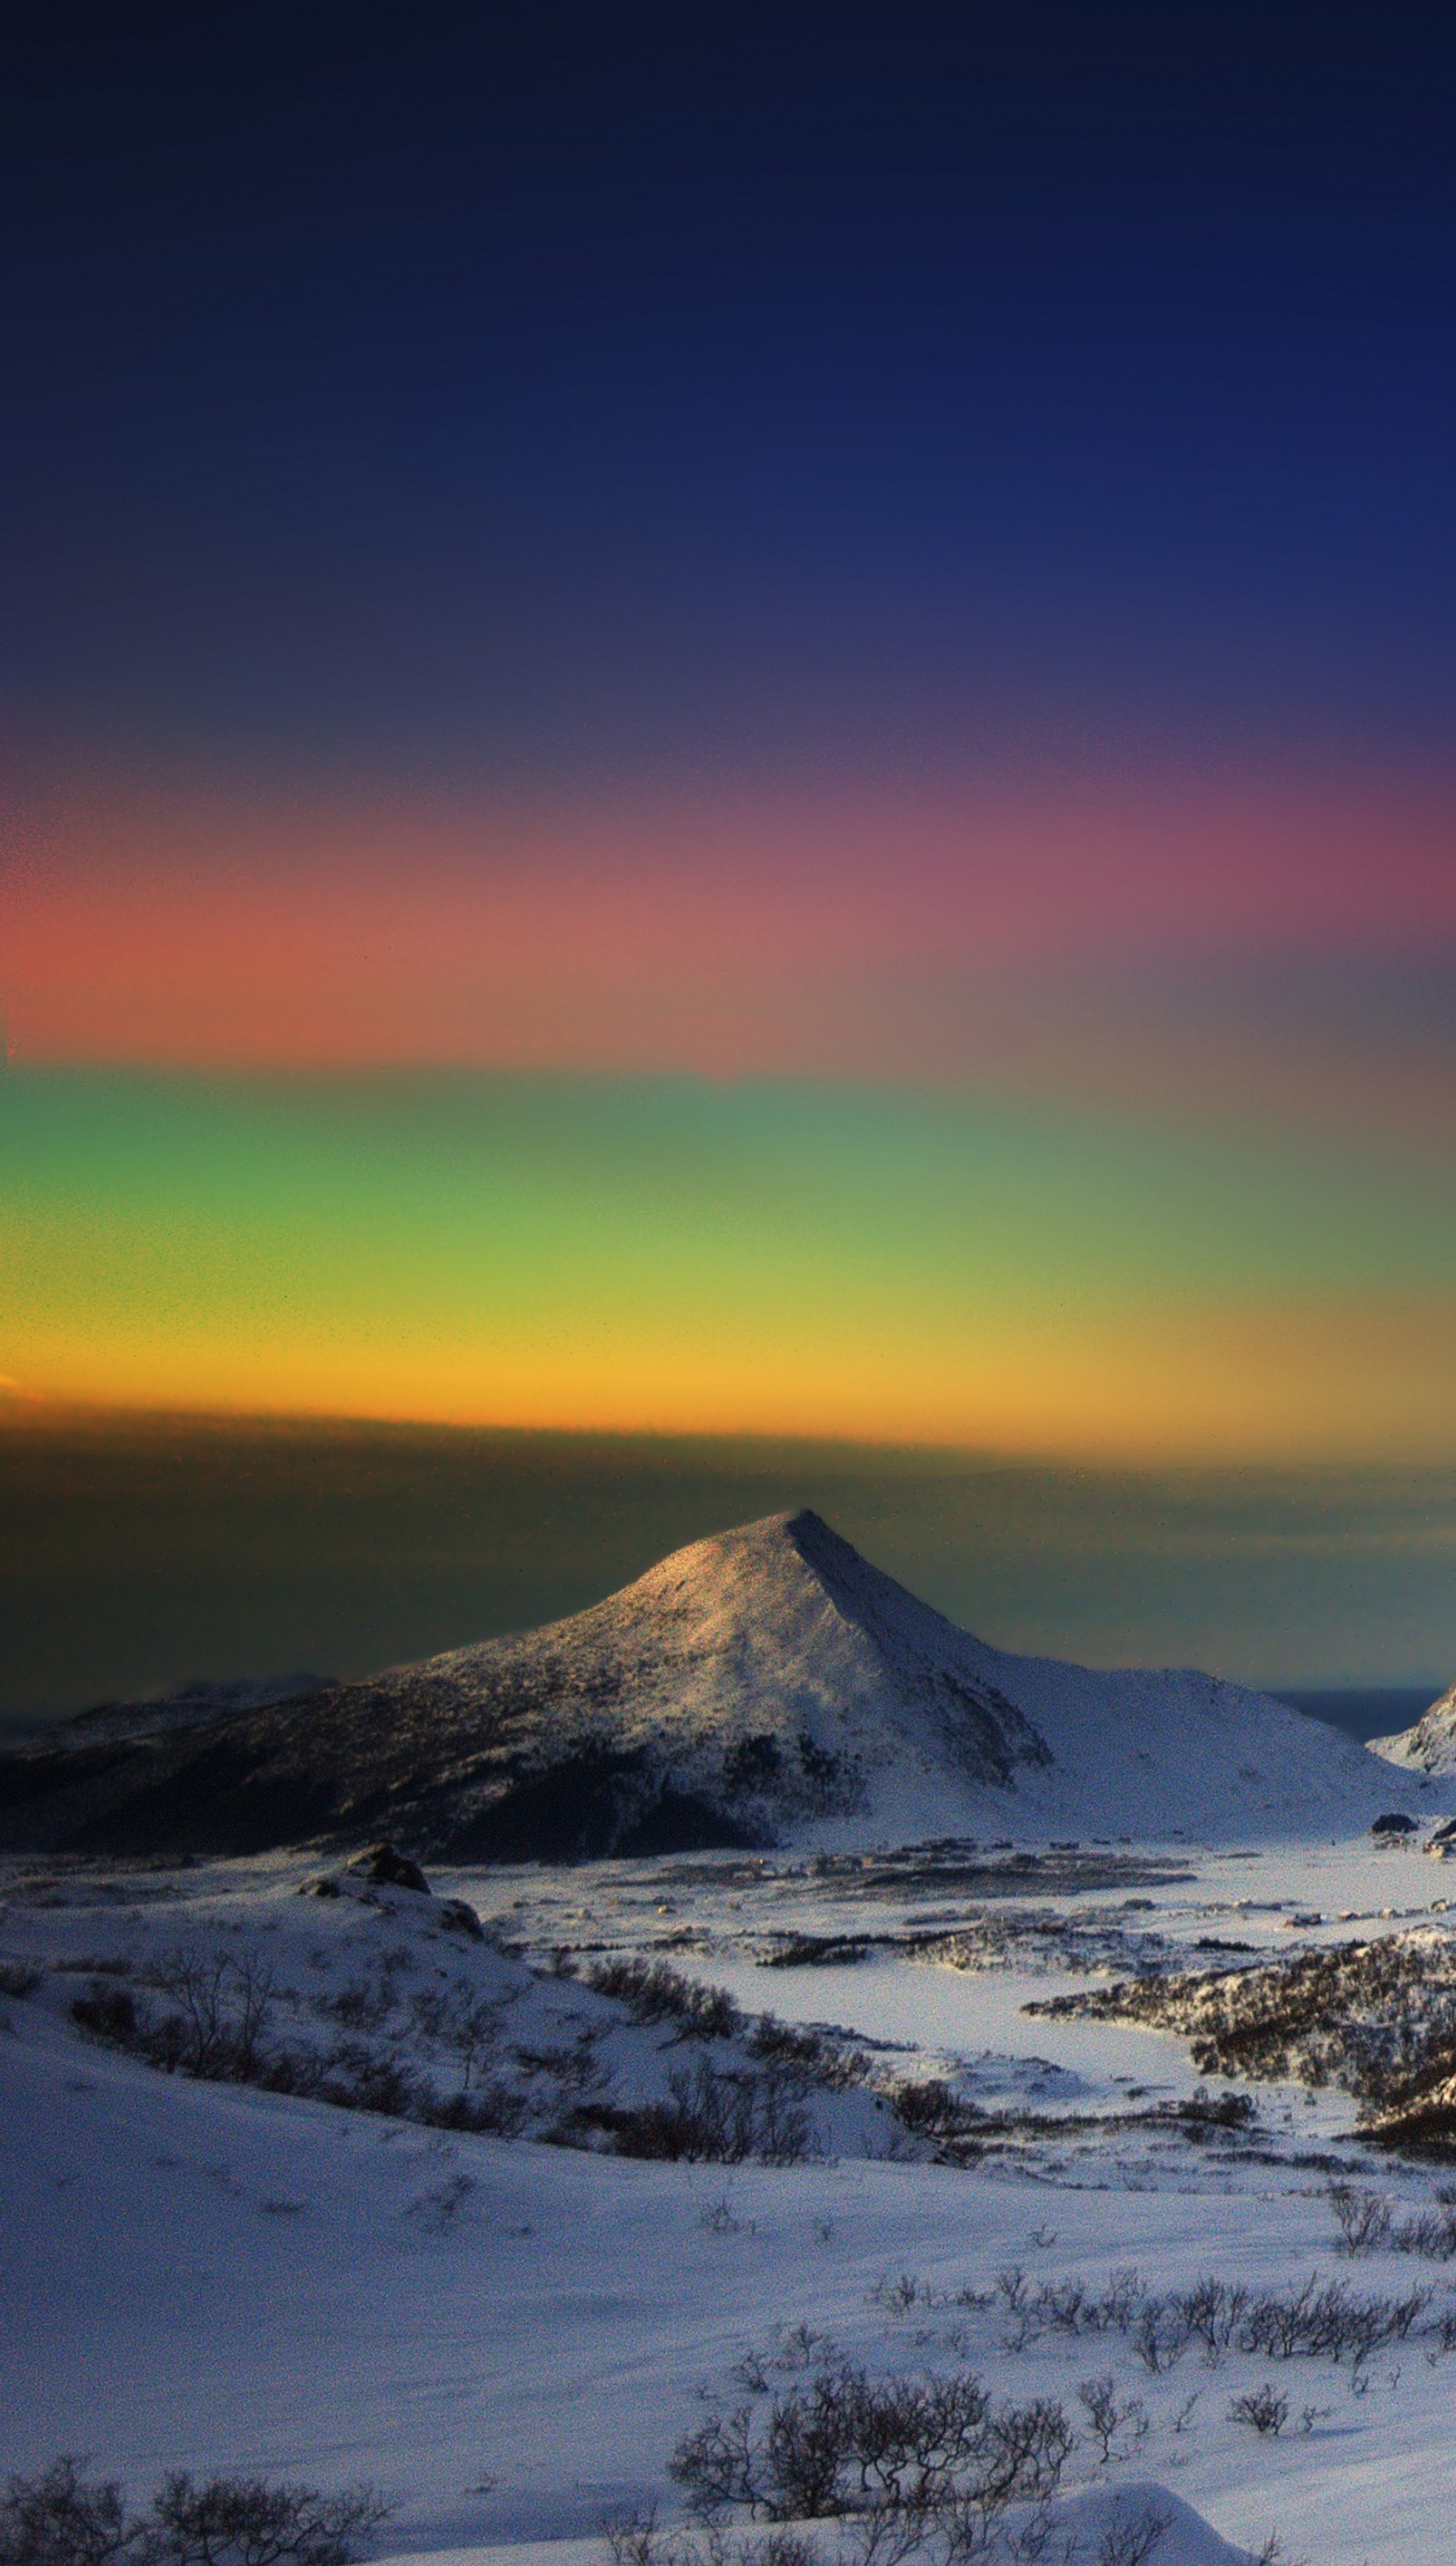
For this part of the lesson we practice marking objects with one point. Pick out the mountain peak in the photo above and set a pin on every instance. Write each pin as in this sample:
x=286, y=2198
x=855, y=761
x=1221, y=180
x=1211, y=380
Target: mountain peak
x=1429, y=1745
x=766, y=1685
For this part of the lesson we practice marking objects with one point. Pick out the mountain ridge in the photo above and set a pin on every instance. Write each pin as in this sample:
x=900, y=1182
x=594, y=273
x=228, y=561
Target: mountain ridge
x=765, y=1686
x=1429, y=1745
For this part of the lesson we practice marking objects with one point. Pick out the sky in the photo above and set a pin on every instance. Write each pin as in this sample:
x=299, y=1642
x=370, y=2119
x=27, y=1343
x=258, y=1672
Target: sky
x=734, y=720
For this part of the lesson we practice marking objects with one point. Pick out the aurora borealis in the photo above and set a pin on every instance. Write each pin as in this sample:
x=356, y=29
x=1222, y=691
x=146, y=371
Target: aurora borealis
x=735, y=722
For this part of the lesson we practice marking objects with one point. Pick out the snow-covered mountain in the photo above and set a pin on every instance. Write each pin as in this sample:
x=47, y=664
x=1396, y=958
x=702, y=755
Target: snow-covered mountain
x=1429, y=1745
x=763, y=1686
x=191, y=1702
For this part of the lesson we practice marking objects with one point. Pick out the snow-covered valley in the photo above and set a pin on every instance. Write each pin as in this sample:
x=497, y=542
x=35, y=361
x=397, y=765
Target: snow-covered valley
x=511, y=2330
x=979, y=2105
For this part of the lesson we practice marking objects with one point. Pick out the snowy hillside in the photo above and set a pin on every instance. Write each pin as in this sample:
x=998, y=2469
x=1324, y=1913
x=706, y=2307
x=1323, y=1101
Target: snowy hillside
x=314, y=2176
x=1430, y=1746
x=763, y=1686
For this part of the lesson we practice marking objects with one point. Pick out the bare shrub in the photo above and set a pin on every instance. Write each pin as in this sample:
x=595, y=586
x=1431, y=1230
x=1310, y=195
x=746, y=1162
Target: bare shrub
x=1132, y=2542
x=467, y=2027
x=635, y=2540
x=1116, y=2425
x=362, y=2079
x=1431, y=2232
x=435, y=2213
x=782, y=2548
x=58, y=2519
x=638, y=2540
x=18, y=1979
x=1261, y=2409
x=654, y=1992
x=1367, y=2221
x=1363, y=2218
x=926, y=2107
x=931, y=2453
x=361, y=2007
x=1316, y=2319
x=108, y=2013
x=718, y=2218
x=714, y=2117
x=224, y=2003
x=243, y=2521
x=807, y=2052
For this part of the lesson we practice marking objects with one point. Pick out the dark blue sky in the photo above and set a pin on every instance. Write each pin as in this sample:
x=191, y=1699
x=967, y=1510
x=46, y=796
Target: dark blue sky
x=557, y=392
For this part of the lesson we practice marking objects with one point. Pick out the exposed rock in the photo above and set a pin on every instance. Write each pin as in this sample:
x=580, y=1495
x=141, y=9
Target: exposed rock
x=388, y=1868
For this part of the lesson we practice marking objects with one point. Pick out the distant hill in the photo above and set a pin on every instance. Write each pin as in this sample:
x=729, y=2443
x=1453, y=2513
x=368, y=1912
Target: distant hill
x=763, y=1686
x=1429, y=1745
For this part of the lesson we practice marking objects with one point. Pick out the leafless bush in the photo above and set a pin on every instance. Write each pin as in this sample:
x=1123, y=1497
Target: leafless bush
x=907, y=2454
x=714, y=2117
x=243, y=2521
x=1132, y=2542
x=108, y=2013
x=224, y=2003
x=718, y=2218
x=59, y=2519
x=465, y=2025
x=1116, y=2424
x=1261, y=2409
x=1326, y=2318
x=807, y=2052
x=780, y=2548
x=926, y=2107
x=636, y=2540
x=571, y=2070
x=18, y=1979
x=1431, y=2232
x=1316, y=2319
x=654, y=1992
x=495, y=2110
x=361, y=2079
x=361, y=2007
x=1362, y=2218
x=1367, y=2221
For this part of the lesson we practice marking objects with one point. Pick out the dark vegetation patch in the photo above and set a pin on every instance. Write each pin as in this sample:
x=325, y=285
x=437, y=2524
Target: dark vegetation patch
x=590, y=1807
x=442, y=2054
x=714, y=2115
x=219, y=1801
x=1368, y=2223
x=59, y=2518
x=652, y=1991
x=931, y=2453
x=1315, y=2319
x=957, y=1865
x=823, y=1951
x=962, y=2133
x=1377, y=2019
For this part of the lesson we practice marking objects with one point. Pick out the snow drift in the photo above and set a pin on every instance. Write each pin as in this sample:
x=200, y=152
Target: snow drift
x=763, y=1686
